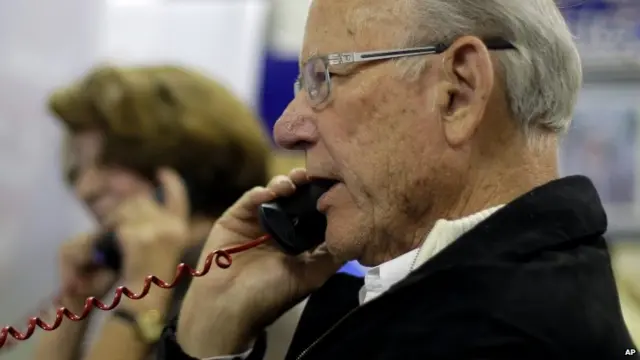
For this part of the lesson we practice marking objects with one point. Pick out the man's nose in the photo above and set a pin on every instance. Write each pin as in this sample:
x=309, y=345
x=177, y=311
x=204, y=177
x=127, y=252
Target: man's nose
x=295, y=129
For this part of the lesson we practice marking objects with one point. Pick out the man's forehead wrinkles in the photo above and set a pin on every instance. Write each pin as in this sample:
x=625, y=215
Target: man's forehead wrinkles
x=329, y=28
x=351, y=30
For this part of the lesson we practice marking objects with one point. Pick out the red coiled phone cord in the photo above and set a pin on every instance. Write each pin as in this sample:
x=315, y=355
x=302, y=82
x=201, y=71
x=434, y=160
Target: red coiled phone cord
x=222, y=259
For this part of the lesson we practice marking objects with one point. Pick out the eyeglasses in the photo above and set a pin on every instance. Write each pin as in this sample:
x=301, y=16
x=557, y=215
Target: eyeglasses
x=315, y=77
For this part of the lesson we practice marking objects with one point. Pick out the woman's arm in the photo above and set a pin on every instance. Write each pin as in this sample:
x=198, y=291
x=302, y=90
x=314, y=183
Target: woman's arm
x=121, y=338
x=64, y=343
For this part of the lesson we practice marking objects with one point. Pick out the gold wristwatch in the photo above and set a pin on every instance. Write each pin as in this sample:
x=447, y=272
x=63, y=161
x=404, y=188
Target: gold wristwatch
x=148, y=324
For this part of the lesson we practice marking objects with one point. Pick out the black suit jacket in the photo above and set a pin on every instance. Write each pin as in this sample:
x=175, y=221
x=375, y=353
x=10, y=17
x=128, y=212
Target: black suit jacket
x=533, y=281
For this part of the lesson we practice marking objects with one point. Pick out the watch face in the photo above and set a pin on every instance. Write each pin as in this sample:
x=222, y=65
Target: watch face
x=151, y=325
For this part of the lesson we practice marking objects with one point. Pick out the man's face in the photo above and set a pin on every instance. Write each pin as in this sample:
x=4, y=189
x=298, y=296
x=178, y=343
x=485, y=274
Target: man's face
x=378, y=134
x=101, y=188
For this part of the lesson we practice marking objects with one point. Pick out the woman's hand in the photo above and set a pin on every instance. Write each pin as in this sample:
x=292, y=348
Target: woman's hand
x=153, y=235
x=77, y=283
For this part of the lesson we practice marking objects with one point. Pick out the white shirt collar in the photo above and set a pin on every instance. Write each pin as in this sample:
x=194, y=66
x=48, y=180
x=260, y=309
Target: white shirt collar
x=379, y=279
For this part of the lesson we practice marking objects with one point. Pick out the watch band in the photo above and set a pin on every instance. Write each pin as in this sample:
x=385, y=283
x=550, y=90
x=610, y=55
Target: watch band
x=126, y=316
x=168, y=347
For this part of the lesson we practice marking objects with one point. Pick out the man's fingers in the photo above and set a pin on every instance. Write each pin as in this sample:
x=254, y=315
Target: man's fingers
x=299, y=176
x=281, y=185
x=278, y=186
x=175, y=195
x=245, y=208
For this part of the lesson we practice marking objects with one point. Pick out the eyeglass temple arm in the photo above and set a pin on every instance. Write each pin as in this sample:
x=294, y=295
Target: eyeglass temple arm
x=346, y=58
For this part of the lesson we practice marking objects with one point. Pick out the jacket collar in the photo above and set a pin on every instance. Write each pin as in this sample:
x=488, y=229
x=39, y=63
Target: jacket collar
x=559, y=213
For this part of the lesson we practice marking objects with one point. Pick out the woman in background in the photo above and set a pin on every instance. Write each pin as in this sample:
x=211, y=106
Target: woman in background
x=131, y=131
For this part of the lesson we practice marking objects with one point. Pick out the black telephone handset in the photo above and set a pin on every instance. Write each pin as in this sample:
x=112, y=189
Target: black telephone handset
x=293, y=222
x=106, y=250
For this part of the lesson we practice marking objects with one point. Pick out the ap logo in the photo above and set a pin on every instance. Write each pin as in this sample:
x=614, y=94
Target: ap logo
x=630, y=352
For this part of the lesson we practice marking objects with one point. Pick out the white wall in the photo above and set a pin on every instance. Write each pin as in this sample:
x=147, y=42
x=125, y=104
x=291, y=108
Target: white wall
x=224, y=39
x=287, y=26
x=42, y=44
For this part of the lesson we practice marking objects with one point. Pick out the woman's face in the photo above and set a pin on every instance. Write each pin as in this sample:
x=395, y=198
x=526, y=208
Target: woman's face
x=101, y=188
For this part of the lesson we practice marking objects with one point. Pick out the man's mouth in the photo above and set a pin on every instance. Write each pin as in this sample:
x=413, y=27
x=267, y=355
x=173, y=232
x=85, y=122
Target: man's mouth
x=324, y=183
x=323, y=186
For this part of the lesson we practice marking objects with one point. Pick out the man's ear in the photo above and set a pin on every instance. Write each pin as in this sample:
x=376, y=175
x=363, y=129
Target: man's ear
x=467, y=83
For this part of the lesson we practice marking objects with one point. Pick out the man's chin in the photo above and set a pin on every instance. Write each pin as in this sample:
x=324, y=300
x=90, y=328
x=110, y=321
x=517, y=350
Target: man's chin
x=342, y=251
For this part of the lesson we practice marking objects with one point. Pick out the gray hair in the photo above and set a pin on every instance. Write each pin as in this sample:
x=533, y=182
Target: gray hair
x=542, y=77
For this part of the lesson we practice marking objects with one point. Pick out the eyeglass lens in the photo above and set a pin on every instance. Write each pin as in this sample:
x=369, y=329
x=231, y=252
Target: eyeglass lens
x=315, y=80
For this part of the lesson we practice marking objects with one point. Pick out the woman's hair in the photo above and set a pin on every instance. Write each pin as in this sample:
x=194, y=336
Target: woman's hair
x=168, y=116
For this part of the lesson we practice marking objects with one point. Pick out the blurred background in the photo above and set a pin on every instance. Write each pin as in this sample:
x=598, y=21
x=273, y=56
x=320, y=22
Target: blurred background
x=252, y=47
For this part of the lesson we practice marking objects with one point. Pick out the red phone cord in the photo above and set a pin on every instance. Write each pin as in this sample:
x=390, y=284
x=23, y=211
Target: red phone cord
x=222, y=259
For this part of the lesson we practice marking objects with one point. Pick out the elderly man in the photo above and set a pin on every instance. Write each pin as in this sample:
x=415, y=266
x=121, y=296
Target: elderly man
x=440, y=121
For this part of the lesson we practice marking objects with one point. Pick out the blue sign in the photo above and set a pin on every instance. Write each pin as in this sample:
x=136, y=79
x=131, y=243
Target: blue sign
x=280, y=72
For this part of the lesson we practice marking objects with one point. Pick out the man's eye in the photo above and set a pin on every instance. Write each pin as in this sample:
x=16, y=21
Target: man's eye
x=319, y=76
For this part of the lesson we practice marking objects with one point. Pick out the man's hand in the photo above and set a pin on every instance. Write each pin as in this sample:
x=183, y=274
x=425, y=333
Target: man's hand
x=224, y=311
